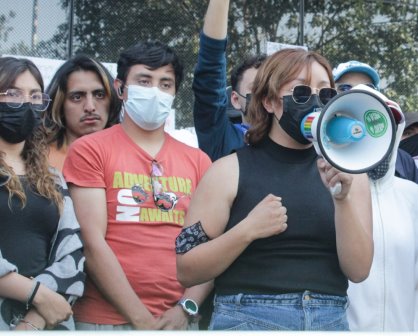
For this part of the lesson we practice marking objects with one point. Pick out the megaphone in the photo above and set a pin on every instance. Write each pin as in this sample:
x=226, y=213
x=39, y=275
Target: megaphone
x=355, y=131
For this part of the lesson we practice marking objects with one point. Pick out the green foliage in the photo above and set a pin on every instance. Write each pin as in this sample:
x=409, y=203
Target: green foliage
x=380, y=33
x=5, y=28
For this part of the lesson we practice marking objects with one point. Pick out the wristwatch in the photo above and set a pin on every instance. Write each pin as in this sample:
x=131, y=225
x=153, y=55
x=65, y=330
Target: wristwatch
x=189, y=306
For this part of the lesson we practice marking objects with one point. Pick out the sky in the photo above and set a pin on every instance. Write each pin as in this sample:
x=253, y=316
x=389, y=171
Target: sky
x=50, y=16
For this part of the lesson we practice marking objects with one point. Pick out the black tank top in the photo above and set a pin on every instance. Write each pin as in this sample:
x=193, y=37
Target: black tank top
x=26, y=234
x=304, y=257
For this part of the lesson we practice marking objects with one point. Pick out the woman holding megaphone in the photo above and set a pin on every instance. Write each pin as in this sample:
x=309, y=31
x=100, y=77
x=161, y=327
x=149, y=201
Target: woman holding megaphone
x=263, y=222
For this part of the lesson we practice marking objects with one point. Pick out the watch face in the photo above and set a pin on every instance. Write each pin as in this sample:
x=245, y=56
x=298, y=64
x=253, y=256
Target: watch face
x=190, y=306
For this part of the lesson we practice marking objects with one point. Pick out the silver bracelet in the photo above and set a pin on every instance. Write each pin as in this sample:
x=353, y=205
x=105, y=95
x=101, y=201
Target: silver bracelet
x=30, y=324
x=18, y=319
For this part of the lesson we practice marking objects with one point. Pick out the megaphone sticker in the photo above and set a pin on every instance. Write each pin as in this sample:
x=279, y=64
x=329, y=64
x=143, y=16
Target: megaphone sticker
x=376, y=123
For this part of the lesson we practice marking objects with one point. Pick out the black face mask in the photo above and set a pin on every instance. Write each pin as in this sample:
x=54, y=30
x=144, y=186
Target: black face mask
x=247, y=102
x=16, y=124
x=410, y=145
x=293, y=115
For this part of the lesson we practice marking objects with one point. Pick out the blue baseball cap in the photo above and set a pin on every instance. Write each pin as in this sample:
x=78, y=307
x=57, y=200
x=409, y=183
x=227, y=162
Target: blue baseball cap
x=411, y=118
x=355, y=66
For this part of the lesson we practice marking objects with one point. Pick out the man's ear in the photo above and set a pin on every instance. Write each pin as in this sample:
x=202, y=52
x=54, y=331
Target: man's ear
x=118, y=85
x=234, y=101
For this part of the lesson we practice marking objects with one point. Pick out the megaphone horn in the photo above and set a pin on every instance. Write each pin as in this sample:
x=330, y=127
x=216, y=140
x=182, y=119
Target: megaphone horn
x=355, y=131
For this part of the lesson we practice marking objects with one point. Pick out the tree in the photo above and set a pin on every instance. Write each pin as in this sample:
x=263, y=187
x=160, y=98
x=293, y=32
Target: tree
x=104, y=28
x=381, y=33
x=5, y=28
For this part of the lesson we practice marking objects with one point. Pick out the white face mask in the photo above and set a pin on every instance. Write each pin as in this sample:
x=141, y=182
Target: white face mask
x=148, y=107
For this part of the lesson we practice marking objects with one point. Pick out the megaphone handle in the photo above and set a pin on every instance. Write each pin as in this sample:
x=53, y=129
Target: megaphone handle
x=335, y=190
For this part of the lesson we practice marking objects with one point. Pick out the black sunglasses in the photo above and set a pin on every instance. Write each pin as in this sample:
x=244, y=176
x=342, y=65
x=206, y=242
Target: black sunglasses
x=302, y=93
x=164, y=201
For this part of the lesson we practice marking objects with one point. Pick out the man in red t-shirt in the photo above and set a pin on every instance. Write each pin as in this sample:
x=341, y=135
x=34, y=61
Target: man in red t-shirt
x=131, y=186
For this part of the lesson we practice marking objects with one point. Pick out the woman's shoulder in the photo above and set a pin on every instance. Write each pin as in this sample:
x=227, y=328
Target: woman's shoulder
x=226, y=166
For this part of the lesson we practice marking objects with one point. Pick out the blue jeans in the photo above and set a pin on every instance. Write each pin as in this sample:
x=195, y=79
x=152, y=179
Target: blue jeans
x=294, y=311
x=117, y=327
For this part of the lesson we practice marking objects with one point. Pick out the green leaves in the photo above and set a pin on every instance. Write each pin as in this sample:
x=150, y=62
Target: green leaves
x=380, y=33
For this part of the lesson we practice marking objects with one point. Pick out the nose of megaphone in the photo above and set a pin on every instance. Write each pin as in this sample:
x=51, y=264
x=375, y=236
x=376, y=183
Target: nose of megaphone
x=355, y=131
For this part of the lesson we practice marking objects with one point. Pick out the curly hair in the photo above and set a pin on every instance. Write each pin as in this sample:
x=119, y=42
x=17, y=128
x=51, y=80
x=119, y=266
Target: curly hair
x=54, y=118
x=35, y=150
x=276, y=71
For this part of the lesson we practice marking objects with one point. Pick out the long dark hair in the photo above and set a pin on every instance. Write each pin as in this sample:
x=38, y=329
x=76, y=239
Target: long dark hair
x=57, y=90
x=35, y=149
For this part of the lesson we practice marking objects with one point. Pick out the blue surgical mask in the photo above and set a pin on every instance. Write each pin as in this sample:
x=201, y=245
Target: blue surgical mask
x=148, y=107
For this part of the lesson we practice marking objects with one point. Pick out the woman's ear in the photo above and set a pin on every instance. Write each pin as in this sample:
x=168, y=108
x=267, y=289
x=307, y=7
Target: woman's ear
x=268, y=105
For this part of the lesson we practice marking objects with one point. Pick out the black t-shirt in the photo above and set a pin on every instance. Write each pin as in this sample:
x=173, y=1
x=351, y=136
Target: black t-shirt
x=26, y=233
x=304, y=257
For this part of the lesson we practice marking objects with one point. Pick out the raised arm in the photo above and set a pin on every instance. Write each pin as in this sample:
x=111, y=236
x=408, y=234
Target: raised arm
x=216, y=134
x=101, y=263
x=216, y=19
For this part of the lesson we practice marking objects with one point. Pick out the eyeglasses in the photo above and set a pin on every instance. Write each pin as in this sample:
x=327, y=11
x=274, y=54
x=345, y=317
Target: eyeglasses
x=247, y=97
x=302, y=93
x=15, y=98
x=164, y=201
x=346, y=87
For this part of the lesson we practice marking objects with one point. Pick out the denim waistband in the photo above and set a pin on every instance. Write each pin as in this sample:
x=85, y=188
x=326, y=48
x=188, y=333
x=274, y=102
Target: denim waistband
x=306, y=298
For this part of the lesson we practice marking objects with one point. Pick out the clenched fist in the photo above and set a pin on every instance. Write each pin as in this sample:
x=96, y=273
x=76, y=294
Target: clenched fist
x=268, y=218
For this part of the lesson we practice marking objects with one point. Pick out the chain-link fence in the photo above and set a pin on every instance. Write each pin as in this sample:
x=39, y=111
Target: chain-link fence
x=381, y=33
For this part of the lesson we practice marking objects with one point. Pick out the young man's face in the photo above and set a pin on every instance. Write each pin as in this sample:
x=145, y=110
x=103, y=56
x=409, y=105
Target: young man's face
x=163, y=78
x=86, y=105
x=351, y=79
x=238, y=100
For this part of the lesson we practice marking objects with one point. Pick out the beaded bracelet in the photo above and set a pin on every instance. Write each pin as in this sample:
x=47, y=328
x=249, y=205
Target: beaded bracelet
x=32, y=294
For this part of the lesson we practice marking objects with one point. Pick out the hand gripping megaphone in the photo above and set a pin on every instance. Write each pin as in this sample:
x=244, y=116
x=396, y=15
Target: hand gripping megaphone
x=355, y=131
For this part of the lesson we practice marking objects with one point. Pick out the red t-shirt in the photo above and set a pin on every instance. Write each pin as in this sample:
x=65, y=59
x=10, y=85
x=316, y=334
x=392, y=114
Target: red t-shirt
x=141, y=235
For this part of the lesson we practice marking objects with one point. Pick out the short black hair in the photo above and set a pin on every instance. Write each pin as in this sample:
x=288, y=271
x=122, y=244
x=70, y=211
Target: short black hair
x=251, y=61
x=153, y=54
